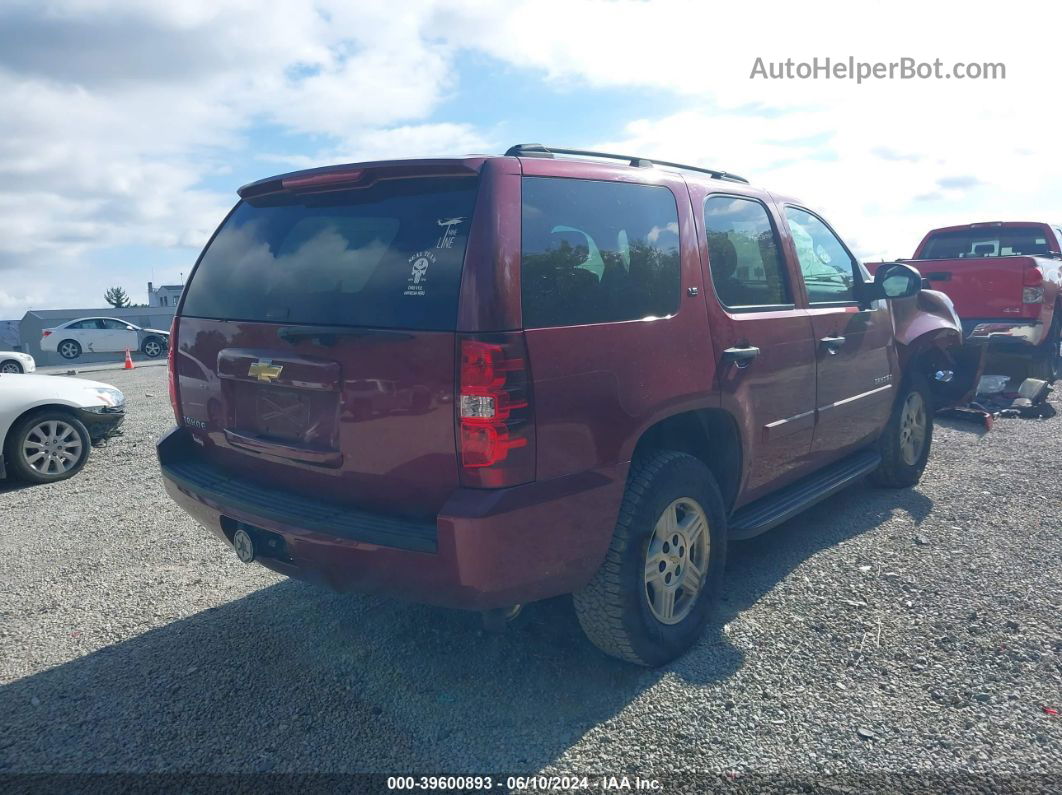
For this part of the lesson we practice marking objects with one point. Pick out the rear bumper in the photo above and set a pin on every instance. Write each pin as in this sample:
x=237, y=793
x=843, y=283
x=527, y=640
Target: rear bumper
x=1014, y=335
x=487, y=547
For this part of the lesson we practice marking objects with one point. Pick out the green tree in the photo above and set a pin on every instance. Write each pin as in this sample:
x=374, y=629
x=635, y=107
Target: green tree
x=116, y=297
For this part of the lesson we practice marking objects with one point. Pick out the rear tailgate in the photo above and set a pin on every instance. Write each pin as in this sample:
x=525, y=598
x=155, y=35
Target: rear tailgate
x=316, y=341
x=982, y=288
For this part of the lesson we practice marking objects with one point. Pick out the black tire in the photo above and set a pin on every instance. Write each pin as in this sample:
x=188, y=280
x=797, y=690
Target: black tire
x=614, y=608
x=11, y=366
x=1046, y=360
x=897, y=469
x=153, y=347
x=17, y=440
x=69, y=349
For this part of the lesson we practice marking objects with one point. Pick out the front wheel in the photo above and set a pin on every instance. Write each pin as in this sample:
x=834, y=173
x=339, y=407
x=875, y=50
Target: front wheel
x=11, y=366
x=47, y=447
x=650, y=600
x=153, y=347
x=905, y=442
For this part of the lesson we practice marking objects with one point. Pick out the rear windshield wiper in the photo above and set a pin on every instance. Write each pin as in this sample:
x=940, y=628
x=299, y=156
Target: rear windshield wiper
x=329, y=335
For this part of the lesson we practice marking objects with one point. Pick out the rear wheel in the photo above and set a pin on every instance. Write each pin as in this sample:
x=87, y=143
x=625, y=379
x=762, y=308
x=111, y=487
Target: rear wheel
x=69, y=349
x=10, y=366
x=905, y=442
x=47, y=446
x=650, y=600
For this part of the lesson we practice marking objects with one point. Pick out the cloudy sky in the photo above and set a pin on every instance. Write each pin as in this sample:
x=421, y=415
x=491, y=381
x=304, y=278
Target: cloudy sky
x=126, y=126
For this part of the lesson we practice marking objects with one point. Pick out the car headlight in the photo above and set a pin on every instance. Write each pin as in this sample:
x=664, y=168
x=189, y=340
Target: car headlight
x=110, y=397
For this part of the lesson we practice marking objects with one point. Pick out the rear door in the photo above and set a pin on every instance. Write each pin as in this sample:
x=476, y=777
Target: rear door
x=763, y=340
x=316, y=340
x=853, y=343
x=90, y=334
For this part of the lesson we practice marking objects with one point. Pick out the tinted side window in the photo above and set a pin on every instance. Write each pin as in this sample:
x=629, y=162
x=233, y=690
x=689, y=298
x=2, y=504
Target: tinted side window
x=743, y=254
x=597, y=252
x=824, y=262
x=88, y=324
x=114, y=325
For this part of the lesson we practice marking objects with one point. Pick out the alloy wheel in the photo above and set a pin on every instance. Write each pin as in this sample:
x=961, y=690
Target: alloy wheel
x=912, y=428
x=152, y=348
x=10, y=367
x=676, y=560
x=68, y=350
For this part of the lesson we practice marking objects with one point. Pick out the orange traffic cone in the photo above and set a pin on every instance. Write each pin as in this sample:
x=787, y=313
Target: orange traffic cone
x=128, y=361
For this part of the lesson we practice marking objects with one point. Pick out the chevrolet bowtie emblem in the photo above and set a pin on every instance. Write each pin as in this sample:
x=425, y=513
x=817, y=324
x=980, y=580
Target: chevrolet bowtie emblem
x=264, y=370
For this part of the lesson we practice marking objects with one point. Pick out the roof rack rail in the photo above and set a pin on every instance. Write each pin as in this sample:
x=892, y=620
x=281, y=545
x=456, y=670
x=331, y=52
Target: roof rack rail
x=538, y=150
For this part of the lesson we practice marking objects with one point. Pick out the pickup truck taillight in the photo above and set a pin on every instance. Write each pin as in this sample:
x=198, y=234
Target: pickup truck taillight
x=1033, y=291
x=171, y=368
x=495, y=423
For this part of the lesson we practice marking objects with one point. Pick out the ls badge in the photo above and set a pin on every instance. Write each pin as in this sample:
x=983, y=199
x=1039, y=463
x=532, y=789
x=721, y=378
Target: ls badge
x=265, y=371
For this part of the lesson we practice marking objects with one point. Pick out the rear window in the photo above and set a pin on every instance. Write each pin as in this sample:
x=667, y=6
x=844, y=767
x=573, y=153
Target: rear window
x=997, y=242
x=597, y=252
x=386, y=256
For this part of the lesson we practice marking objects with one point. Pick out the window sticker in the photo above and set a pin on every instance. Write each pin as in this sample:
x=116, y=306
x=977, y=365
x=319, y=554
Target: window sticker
x=450, y=226
x=418, y=273
x=593, y=262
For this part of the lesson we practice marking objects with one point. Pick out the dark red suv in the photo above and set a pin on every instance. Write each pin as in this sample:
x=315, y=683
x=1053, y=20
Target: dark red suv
x=486, y=381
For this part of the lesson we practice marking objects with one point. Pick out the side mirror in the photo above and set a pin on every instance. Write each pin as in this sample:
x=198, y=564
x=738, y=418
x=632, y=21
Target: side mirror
x=895, y=280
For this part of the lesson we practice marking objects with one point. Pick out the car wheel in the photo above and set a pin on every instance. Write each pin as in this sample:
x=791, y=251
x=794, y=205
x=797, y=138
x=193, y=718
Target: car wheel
x=11, y=366
x=69, y=349
x=905, y=442
x=47, y=446
x=153, y=347
x=650, y=600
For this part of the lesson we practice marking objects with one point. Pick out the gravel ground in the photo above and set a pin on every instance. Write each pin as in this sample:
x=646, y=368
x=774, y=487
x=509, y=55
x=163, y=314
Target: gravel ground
x=915, y=630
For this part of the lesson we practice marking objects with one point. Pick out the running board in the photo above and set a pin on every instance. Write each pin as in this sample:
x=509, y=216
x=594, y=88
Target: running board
x=768, y=512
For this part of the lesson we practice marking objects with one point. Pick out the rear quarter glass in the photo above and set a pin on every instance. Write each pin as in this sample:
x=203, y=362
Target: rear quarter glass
x=387, y=256
x=597, y=252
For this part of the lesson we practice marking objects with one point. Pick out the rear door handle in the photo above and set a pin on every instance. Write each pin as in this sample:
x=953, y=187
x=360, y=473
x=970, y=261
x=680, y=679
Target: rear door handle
x=832, y=343
x=742, y=357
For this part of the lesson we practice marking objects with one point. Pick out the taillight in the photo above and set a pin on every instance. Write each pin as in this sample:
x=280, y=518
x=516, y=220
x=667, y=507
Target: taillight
x=46, y=333
x=495, y=427
x=1032, y=277
x=1032, y=295
x=171, y=367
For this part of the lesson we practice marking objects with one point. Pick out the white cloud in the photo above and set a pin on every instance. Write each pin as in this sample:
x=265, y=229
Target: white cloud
x=116, y=110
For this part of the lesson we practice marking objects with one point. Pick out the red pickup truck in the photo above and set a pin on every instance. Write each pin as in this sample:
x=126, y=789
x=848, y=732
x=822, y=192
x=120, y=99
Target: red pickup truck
x=1005, y=279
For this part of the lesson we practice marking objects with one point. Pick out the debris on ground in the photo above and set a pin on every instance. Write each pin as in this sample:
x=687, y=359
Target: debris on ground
x=993, y=399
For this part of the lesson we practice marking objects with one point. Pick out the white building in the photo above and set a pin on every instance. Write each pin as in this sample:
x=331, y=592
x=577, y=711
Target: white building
x=164, y=294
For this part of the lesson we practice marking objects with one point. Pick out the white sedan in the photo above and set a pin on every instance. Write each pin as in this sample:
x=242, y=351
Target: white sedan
x=103, y=335
x=16, y=362
x=48, y=424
